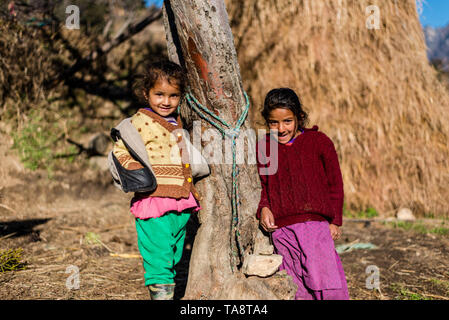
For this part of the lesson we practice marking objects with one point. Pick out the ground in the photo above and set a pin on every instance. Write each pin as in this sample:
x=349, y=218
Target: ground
x=77, y=226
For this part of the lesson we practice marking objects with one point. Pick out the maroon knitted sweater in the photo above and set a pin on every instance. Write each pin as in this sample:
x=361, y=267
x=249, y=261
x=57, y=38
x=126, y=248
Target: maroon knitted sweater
x=308, y=184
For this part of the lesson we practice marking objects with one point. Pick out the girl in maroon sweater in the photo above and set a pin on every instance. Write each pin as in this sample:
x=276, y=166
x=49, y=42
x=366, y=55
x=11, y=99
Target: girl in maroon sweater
x=301, y=203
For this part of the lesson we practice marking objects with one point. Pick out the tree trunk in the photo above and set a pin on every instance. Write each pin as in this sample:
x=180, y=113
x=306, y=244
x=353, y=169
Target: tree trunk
x=200, y=39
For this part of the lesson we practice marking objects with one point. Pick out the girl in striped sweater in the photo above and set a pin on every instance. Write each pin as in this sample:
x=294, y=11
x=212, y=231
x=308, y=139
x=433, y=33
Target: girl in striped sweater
x=161, y=216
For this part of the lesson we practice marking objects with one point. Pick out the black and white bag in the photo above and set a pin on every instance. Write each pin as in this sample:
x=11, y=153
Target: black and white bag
x=140, y=180
x=143, y=180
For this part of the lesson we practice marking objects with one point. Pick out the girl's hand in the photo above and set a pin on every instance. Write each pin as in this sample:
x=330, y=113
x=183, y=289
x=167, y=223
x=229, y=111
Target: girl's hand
x=335, y=231
x=267, y=220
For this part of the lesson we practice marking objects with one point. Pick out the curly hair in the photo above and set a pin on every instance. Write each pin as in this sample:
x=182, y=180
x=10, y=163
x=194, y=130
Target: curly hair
x=160, y=70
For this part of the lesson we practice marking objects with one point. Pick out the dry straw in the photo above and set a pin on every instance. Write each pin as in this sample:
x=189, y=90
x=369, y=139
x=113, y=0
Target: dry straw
x=371, y=90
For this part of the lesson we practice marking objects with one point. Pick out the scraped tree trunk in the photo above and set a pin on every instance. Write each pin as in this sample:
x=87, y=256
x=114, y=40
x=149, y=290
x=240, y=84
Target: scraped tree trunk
x=200, y=39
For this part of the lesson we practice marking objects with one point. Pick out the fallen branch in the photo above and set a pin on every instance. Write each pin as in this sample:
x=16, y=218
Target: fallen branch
x=435, y=296
x=125, y=255
x=8, y=236
x=107, y=248
x=7, y=208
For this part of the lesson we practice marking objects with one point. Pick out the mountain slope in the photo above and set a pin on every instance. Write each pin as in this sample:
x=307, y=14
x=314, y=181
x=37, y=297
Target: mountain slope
x=437, y=40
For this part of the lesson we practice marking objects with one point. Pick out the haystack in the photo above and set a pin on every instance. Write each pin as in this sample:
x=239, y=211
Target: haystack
x=371, y=90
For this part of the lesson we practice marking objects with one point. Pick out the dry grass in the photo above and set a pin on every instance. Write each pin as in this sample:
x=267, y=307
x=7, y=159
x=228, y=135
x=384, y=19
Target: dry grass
x=22, y=60
x=29, y=59
x=372, y=91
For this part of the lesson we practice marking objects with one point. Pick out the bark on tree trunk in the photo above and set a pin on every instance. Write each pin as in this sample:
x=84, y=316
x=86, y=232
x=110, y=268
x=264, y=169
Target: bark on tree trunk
x=200, y=39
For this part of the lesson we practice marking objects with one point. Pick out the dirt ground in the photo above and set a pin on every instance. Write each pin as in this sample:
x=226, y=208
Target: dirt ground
x=80, y=223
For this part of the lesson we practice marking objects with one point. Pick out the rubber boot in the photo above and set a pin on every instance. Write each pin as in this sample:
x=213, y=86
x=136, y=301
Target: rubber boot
x=161, y=291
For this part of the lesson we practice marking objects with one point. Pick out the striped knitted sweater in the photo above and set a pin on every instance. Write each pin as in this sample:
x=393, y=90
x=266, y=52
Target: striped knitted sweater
x=167, y=154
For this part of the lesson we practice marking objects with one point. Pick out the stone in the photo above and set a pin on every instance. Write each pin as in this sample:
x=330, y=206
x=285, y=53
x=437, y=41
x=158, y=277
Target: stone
x=98, y=145
x=405, y=214
x=261, y=265
x=262, y=245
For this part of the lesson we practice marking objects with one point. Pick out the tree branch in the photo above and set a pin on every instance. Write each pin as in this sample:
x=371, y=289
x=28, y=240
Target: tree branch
x=124, y=35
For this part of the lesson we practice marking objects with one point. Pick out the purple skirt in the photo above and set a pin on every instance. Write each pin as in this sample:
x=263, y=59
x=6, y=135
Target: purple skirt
x=309, y=256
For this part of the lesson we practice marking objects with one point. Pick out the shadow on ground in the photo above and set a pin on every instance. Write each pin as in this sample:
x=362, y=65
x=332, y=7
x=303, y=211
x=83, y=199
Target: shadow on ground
x=21, y=228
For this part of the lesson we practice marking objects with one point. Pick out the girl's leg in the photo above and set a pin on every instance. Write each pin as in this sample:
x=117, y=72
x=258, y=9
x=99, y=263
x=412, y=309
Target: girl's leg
x=308, y=250
x=160, y=241
x=179, y=235
x=336, y=294
x=154, y=242
x=285, y=244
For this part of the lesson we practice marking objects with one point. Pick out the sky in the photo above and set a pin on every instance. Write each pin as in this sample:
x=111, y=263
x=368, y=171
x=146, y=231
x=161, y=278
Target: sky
x=435, y=13
x=157, y=2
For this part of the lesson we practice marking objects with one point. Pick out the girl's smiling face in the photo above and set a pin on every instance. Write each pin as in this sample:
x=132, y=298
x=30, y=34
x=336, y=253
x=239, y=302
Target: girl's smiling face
x=285, y=123
x=164, y=97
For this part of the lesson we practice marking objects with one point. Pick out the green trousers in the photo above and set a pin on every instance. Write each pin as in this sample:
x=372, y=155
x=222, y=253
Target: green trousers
x=161, y=242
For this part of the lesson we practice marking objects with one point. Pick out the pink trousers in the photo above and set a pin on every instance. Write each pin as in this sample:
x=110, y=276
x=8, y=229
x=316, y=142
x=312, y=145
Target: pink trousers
x=309, y=256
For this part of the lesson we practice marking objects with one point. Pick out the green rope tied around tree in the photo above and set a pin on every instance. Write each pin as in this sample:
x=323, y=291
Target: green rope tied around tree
x=233, y=133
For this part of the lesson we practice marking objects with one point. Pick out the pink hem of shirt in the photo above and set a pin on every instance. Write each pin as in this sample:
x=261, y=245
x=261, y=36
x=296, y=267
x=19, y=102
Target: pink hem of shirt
x=154, y=207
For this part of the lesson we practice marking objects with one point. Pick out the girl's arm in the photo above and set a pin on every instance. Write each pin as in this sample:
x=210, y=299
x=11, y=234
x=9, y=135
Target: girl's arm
x=264, y=214
x=267, y=220
x=264, y=198
x=126, y=160
x=335, y=231
x=334, y=178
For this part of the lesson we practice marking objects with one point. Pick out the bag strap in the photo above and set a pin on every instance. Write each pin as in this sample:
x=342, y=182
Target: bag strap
x=132, y=141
